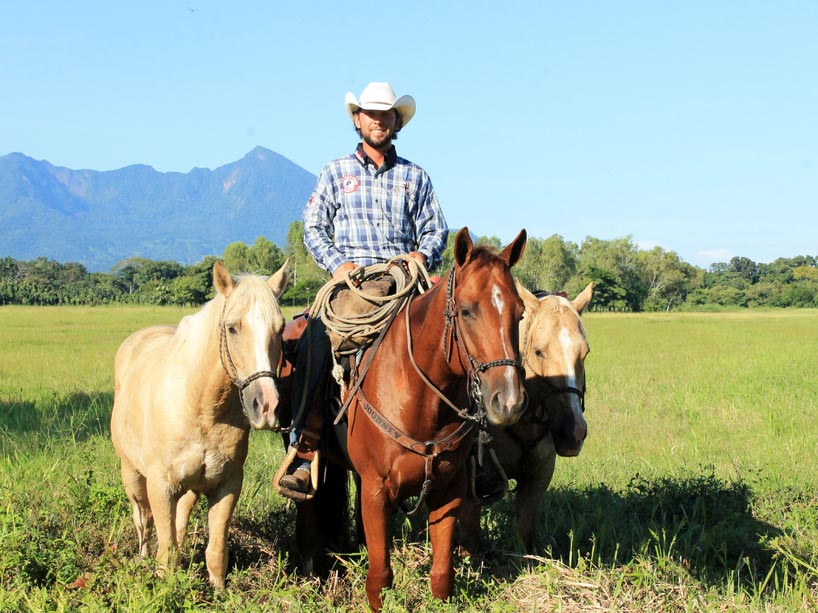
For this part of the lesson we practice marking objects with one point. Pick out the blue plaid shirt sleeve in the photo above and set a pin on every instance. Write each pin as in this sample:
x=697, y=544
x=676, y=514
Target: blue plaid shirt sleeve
x=319, y=230
x=432, y=231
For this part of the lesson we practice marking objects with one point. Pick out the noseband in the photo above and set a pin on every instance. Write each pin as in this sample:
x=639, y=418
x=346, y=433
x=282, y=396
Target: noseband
x=543, y=419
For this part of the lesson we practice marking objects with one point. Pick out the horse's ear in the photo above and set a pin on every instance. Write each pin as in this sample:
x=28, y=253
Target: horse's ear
x=581, y=301
x=514, y=251
x=462, y=246
x=529, y=300
x=278, y=281
x=222, y=280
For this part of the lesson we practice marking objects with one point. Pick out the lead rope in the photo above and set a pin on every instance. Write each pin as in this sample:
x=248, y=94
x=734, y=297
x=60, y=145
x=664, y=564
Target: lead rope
x=409, y=275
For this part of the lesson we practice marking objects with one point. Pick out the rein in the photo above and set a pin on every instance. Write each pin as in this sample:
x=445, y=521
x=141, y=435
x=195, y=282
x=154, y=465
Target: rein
x=430, y=450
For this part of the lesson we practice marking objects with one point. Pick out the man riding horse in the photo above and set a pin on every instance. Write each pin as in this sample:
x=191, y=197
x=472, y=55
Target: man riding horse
x=367, y=208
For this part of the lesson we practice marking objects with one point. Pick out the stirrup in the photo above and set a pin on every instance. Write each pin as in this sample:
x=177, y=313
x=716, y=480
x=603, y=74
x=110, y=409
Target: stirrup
x=282, y=470
x=503, y=480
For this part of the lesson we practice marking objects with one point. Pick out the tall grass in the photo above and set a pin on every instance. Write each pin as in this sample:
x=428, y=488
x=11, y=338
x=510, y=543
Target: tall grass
x=696, y=489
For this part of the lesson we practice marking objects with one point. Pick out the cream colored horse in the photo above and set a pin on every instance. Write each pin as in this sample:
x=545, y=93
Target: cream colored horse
x=185, y=398
x=553, y=347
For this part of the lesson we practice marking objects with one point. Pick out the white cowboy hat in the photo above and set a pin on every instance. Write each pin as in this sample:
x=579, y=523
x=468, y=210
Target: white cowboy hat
x=380, y=97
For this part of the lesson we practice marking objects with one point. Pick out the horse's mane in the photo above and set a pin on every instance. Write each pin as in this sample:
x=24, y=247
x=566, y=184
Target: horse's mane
x=193, y=331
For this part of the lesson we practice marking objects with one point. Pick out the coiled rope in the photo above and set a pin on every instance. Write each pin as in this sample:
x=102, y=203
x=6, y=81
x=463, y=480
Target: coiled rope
x=410, y=277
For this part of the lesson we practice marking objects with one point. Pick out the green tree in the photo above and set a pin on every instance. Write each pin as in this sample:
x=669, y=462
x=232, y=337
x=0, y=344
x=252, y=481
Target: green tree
x=667, y=278
x=265, y=256
x=609, y=295
x=237, y=257
x=619, y=259
x=547, y=264
x=303, y=269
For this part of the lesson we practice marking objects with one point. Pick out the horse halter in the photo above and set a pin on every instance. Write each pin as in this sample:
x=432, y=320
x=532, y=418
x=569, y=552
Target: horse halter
x=228, y=365
x=452, y=333
x=568, y=389
x=553, y=389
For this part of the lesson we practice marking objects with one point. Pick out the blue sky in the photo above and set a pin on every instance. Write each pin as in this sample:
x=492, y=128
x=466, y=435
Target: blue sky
x=692, y=125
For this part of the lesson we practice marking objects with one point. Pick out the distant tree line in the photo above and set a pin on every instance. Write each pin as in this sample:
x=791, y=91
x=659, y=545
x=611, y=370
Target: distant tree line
x=625, y=277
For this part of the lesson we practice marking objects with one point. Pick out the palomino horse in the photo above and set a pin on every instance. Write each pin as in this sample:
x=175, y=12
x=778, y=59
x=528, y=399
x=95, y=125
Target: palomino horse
x=554, y=347
x=410, y=420
x=185, y=398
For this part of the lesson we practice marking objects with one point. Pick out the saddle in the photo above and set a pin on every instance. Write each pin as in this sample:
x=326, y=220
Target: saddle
x=354, y=307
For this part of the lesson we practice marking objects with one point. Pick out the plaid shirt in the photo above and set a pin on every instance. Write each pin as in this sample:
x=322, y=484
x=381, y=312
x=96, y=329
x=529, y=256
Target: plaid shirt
x=366, y=215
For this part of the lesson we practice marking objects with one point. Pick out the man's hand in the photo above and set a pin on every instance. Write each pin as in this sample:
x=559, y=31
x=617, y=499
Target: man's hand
x=419, y=257
x=342, y=270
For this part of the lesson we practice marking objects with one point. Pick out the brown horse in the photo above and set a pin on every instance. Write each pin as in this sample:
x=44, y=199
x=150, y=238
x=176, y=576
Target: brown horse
x=554, y=347
x=185, y=398
x=411, y=423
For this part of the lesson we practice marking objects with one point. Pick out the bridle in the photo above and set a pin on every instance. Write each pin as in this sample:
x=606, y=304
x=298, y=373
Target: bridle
x=453, y=334
x=475, y=415
x=541, y=417
x=227, y=361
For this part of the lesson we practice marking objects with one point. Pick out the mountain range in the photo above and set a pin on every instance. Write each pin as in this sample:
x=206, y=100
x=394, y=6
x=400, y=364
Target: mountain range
x=99, y=218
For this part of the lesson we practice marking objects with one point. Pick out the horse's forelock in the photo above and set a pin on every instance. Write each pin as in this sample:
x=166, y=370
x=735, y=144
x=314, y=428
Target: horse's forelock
x=484, y=254
x=557, y=304
x=253, y=290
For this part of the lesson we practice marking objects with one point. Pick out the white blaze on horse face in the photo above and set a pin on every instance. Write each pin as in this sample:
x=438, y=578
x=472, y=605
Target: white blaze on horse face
x=568, y=353
x=259, y=326
x=500, y=305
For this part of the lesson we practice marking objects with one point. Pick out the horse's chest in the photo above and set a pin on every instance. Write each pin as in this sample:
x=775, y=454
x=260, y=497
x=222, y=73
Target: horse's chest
x=203, y=465
x=408, y=472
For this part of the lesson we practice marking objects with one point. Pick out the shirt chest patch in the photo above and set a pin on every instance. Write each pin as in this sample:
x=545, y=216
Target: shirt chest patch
x=349, y=184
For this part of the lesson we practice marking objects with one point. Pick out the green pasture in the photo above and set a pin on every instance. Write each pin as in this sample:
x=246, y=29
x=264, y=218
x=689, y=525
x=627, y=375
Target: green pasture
x=696, y=489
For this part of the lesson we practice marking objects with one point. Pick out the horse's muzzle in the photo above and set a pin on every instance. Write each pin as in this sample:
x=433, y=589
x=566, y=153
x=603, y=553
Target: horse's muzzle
x=260, y=402
x=569, y=436
x=504, y=408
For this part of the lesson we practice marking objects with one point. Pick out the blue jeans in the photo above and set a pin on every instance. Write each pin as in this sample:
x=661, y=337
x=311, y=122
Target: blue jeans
x=314, y=354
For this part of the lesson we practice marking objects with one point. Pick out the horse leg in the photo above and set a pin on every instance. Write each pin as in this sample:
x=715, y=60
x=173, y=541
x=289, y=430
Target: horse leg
x=375, y=512
x=531, y=488
x=163, y=505
x=136, y=489
x=221, y=505
x=183, y=510
x=444, y=507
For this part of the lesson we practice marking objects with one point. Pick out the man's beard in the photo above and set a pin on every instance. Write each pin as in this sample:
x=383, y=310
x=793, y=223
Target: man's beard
x=383, y=143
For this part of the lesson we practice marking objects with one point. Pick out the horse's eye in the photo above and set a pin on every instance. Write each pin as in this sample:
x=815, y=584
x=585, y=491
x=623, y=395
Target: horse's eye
x=466, y=313
x=231, y=329
x=540, y=355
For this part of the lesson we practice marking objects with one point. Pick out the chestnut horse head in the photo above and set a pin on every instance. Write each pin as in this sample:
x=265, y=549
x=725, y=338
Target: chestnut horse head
x=482, y=315
x=448, y=363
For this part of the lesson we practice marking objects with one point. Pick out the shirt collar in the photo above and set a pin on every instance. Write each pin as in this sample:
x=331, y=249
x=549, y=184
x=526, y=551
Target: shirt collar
x=389, y=160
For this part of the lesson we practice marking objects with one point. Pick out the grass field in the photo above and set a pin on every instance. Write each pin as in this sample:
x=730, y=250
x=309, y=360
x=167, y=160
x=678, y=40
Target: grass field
x=696, y=489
